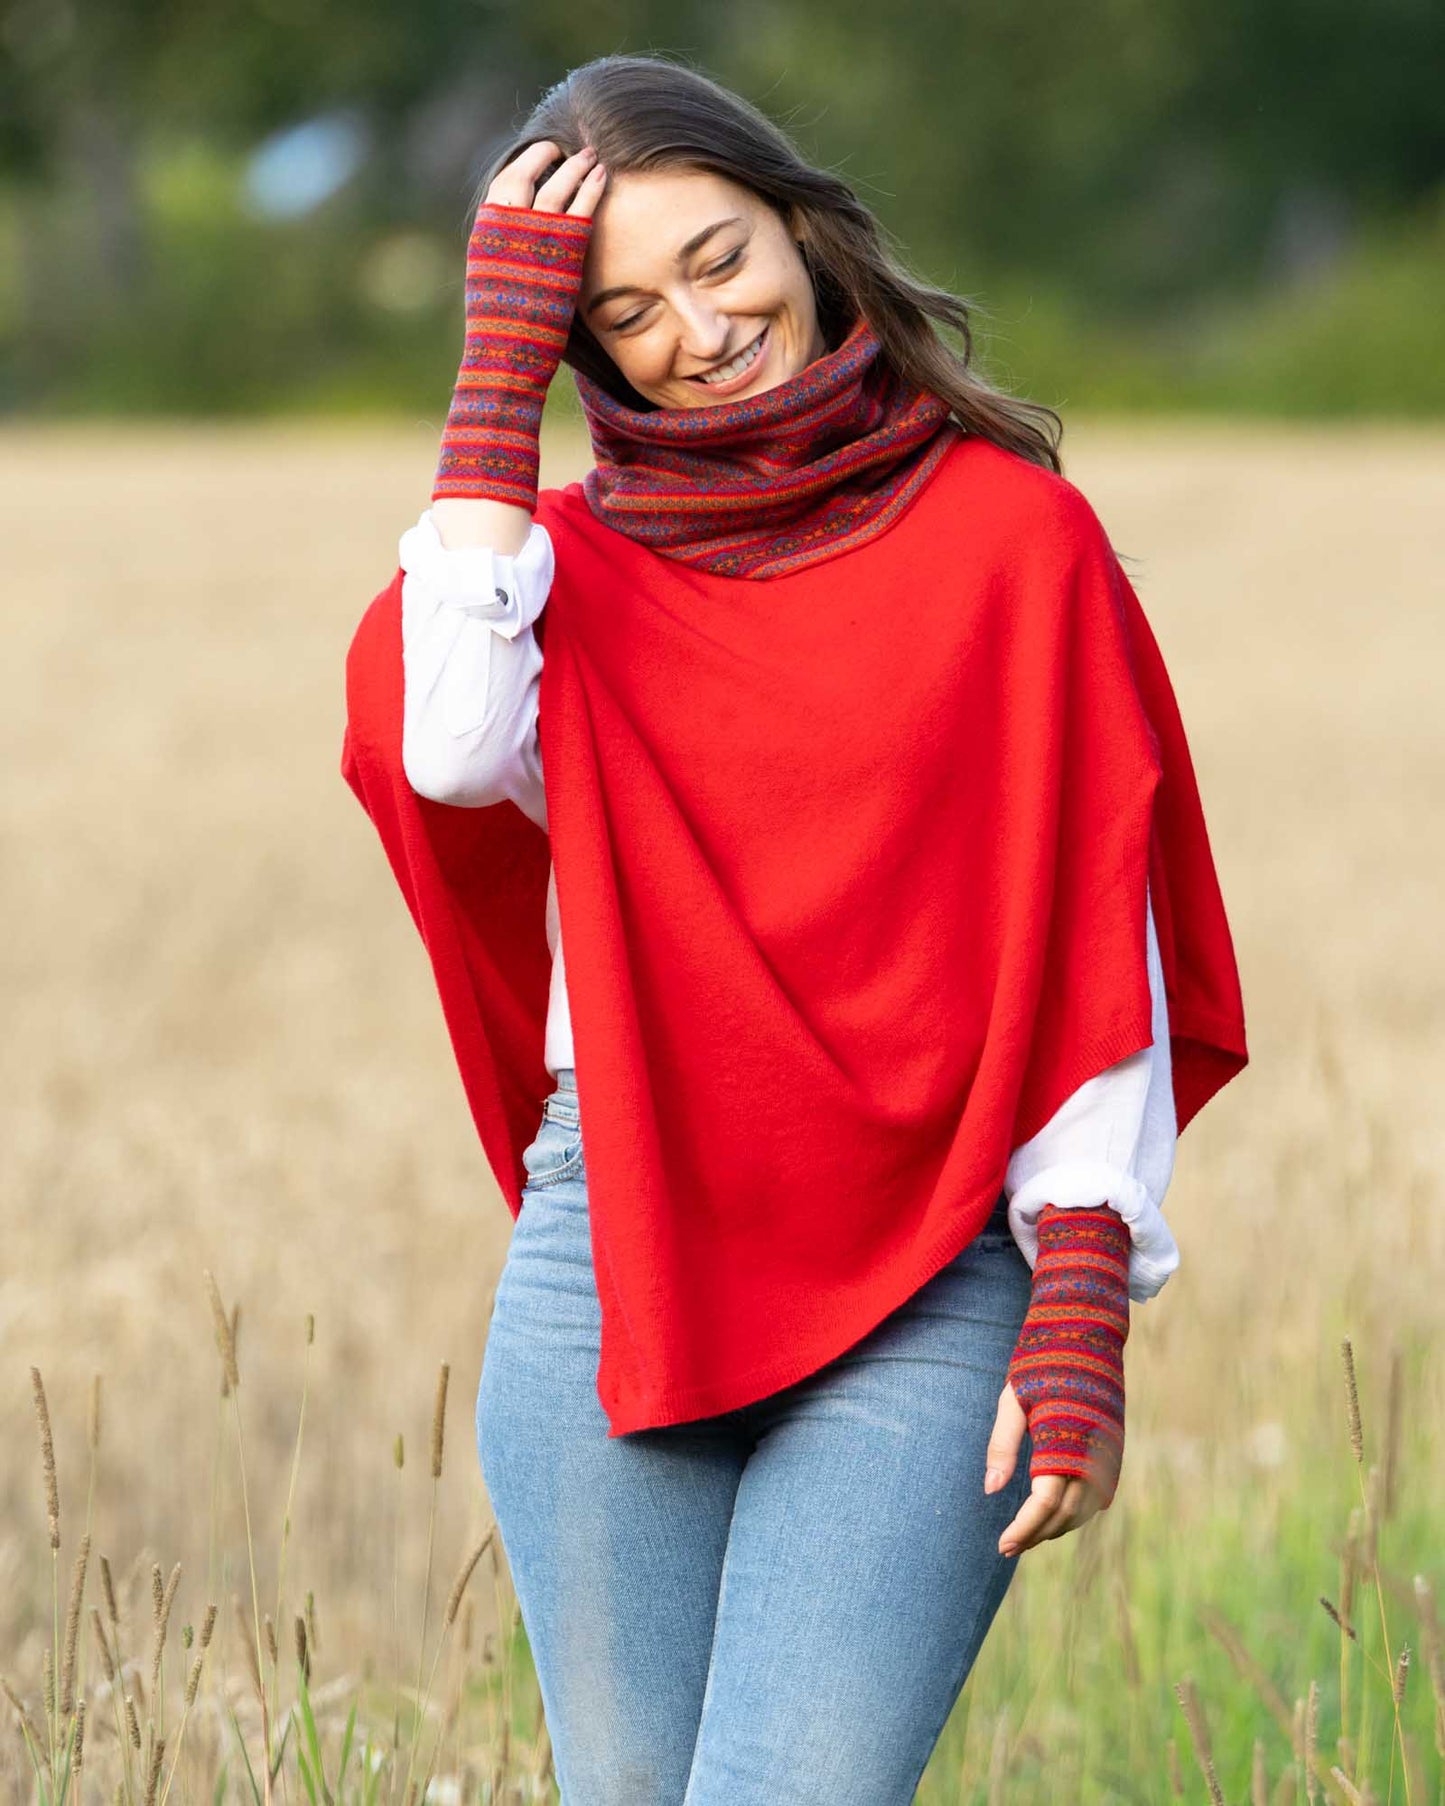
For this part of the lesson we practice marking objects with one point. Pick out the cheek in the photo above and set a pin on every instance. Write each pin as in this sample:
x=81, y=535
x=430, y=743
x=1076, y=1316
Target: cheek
x=645, y=360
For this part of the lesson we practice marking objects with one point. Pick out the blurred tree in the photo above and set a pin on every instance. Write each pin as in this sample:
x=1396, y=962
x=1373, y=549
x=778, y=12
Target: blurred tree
x=1136, y=158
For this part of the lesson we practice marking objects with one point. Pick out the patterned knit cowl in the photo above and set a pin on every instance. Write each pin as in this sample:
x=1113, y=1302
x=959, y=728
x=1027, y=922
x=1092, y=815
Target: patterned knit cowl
x=769, y=483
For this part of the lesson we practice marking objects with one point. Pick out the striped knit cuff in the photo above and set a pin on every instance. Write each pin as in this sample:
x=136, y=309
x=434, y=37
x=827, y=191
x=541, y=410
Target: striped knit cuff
x=1068, y=1367
x=524, y=271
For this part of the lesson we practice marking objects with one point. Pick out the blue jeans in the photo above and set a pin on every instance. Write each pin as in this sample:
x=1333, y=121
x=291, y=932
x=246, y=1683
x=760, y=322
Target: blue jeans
x=775, y=1606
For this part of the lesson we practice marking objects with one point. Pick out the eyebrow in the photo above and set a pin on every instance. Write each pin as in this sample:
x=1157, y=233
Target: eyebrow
x=695, y=243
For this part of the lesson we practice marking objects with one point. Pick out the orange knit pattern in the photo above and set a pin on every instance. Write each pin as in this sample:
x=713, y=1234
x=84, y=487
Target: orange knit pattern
x=1068, y=1366
x=524, y=270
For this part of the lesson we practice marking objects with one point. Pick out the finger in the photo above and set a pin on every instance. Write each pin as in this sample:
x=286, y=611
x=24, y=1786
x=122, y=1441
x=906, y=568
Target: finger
x=560, y=187
x=584, y=202
x=514, y=183
x=1072, y=1511
x=1033, y=1514
x=1104, y=1465
x=1005, y=1440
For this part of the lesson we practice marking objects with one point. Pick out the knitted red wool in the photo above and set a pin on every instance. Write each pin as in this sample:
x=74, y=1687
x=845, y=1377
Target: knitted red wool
x=1068, y=1367
x=758, y=487
x=524, y=268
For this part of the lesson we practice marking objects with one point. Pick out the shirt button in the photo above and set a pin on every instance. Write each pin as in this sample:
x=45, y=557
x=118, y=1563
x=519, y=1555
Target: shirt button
x=502, y=597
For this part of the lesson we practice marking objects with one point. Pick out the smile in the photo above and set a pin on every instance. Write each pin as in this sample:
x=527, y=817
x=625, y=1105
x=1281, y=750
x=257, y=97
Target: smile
x=730, y=372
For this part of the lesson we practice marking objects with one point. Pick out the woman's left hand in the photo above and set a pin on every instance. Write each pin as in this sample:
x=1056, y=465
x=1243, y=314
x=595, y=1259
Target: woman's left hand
x=1066, y=1378
x=1057, y=1503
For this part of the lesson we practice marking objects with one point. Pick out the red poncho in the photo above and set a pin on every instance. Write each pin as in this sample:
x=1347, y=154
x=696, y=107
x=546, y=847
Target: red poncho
x=851, y=872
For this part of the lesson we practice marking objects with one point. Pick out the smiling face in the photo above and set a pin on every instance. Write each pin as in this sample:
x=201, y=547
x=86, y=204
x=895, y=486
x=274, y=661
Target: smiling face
x=686, y=272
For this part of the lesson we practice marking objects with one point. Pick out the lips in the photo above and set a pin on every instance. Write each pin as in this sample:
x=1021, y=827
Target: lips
x=743, y=376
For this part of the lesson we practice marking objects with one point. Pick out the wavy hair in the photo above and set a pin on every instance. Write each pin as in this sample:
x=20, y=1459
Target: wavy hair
x=645, y=113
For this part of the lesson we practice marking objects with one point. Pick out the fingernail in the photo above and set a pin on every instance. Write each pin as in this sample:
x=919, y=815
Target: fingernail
x=992, y=1480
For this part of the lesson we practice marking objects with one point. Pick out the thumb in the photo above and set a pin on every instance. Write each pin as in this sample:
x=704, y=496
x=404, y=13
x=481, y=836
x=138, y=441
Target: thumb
x=1009, y=1425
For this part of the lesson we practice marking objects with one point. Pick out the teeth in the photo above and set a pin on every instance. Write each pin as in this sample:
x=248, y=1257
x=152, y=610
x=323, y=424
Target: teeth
x=738, y=365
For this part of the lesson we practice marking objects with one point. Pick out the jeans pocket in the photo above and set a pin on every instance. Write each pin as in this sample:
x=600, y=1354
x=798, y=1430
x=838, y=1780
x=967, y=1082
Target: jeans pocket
x=555, y=1154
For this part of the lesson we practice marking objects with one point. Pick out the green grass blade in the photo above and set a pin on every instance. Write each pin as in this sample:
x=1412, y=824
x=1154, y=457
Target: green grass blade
x=280, y=1751
x=346, y=1750
x=306, y=1780
x=245, y=1755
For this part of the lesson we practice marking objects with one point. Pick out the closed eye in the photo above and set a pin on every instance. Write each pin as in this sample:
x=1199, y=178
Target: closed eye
x=721, y=267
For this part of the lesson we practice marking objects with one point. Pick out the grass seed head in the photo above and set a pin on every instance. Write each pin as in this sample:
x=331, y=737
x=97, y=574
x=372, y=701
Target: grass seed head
x=225, y=1329
x=438, y=1421
x=25, y=1720
x=162, y=1620
x=1352, y=1400
x=1343, y=1623
x=1188, y=1697
x=47, y=1457
x=153, y=1778
x=107, y=1662
x=459, y=1585
x=108, y=1585
x=72, y=1628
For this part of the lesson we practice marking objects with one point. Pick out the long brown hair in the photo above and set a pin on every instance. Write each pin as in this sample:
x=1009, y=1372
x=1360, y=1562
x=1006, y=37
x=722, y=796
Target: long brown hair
x=649, y=113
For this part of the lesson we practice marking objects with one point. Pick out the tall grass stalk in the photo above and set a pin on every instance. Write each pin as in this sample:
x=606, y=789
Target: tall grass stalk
x=226, y=1345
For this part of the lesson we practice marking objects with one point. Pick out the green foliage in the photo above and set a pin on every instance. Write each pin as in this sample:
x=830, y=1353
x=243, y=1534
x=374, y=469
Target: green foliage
x=1164, y=203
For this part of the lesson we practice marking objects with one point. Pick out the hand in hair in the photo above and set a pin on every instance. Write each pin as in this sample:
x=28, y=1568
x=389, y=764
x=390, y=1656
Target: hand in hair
x=524, y=271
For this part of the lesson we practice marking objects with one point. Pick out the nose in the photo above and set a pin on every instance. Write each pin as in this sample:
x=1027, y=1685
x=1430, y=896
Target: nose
x=703, y=333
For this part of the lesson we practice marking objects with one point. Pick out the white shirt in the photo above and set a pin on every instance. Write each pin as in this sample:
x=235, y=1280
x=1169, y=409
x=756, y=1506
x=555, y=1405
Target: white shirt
x=472, y=669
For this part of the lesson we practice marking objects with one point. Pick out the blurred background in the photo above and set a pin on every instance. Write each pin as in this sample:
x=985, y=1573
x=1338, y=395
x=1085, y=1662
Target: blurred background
x=1158, y=203
x=1212, y=234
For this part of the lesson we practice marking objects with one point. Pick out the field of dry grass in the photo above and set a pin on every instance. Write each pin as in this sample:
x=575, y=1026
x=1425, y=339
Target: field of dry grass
x=223, y=1049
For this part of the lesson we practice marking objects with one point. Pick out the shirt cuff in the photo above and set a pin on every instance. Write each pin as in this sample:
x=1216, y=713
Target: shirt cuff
x=1085, y=1185
x=506, y=591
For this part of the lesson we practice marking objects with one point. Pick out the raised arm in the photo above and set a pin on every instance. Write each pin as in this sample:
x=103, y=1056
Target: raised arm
x=525, y=255
x=477, y=568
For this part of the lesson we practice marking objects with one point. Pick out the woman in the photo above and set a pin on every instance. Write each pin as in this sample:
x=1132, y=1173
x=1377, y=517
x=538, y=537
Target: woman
x=895, y=953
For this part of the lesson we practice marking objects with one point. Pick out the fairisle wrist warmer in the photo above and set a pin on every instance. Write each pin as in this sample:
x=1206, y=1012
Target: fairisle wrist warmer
x=1067, y=1370
x=524, y=270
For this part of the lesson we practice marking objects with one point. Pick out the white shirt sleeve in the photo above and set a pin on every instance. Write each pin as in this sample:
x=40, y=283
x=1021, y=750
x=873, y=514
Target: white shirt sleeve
x=472, y=669
x=1111, y=1142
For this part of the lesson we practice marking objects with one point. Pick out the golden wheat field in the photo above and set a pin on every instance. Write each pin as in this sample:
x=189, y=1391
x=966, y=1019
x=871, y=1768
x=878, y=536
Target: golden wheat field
x=223, y=1052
